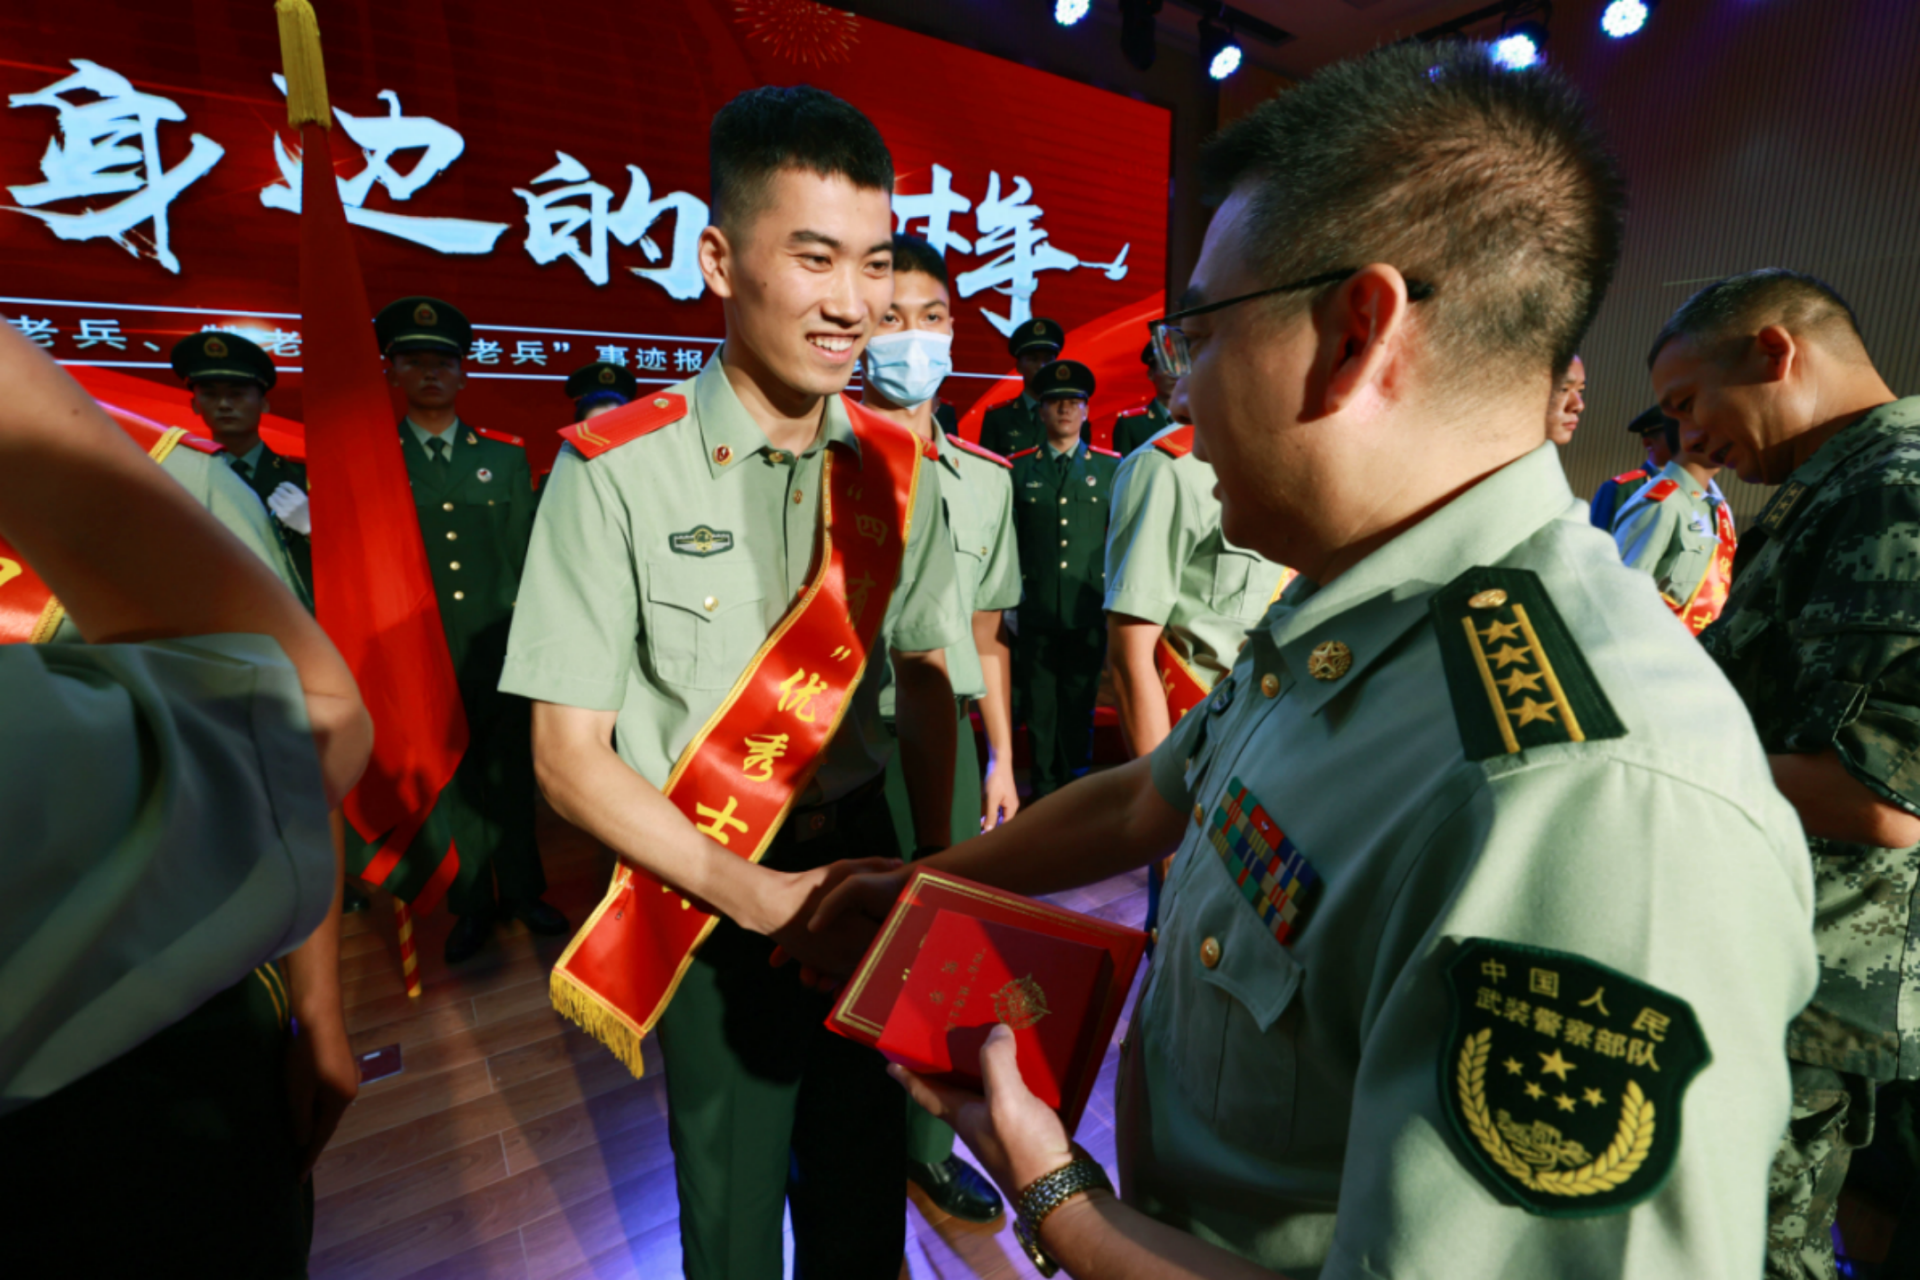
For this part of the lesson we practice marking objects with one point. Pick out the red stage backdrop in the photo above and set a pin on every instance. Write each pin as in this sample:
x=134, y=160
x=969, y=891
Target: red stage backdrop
x=544, y=168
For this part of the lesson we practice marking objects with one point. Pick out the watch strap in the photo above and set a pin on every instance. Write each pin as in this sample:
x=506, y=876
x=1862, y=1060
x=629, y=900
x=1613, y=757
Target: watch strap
x=1048, y=1192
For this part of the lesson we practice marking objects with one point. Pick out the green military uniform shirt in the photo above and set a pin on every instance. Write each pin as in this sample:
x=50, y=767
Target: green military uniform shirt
x=1821, y=636
x=167, y=831
x=1137, y=426
x=1061, y=504
x=1168, y=562
x=263, y=470
x=1673, y=537
x=476, y=514
x=1008, y=428
x=1292, y=1089
x=625, y=608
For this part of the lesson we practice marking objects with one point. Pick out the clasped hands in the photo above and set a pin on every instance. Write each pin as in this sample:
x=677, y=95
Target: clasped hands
x=824, y=919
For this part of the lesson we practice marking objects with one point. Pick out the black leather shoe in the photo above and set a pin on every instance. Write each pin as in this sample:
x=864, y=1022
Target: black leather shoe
x=957, y=1188
x=470, y=933
x=539, y=917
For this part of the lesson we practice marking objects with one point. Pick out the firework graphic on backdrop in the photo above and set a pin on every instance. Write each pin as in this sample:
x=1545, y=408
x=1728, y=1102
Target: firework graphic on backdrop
x=800, y=30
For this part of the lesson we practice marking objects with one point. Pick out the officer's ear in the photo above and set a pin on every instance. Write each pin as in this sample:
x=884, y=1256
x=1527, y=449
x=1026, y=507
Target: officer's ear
x=1362, y=328
x=716, y=260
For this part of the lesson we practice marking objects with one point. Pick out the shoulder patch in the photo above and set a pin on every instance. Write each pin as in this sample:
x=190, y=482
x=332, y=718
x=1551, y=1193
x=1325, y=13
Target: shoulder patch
x=1177, y=443
x=967, y=446
x=200, y=444
x=1138, y=411
x=627, y=423
x=1517, y=678
x=1563, y=1079
x=1105, y=453
x=1628, y=477
x=1778, y=511
x=1662, y=490
x=504, y=437
x=1024, y=453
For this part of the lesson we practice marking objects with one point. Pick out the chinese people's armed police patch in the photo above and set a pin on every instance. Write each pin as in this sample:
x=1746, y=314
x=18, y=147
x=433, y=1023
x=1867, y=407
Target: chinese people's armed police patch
x=1563, y=1078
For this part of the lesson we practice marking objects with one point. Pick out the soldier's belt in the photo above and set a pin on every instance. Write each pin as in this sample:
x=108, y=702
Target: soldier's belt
x=739, y=775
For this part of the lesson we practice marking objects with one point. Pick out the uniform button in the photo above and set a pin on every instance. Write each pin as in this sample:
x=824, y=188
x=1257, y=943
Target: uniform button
x=1153, y=934
x=1199, y=815
x=1063, y=502
x=1063, y=522
x=983, y=551
x=776, y=456
x=455, y=566
x=1270, y=685
x=459, y=595
x=1063, y=564
x=1489, y=599
x=1063, y=542
x=446, y=506
x=452, y=536
x=798, y=497
x=709, y=604
x=1210, y=953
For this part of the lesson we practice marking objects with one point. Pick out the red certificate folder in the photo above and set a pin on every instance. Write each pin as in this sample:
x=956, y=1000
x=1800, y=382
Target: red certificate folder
x=1057, y=977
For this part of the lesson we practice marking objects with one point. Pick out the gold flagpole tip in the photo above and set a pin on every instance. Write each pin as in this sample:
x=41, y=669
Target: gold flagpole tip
x=300, y=58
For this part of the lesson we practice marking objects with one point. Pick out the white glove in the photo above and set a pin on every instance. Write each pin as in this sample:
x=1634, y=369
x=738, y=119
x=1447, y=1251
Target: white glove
x=290, y=505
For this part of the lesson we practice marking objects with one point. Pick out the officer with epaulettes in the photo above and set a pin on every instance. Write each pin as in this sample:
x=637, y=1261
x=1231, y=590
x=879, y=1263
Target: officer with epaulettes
x=1651, y=426
x=473, y=493
x=1062, y=496
x=230, y=378
x=1015, y=424
x=1134, y=427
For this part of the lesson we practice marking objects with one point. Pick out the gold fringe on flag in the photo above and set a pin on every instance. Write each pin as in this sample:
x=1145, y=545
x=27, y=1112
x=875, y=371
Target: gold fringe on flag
x=300, y=59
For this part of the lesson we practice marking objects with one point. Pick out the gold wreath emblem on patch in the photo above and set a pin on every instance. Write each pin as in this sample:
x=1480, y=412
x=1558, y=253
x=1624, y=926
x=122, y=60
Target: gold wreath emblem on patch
x=424, y=314
x=606, y=375
x=215, y=348
x=1020, y=1003
x=1329, y=660
x=1533, y=1154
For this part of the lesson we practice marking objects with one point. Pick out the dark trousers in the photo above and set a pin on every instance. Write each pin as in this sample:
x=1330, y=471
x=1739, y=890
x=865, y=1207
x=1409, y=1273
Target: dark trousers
x=174, y=1159
x=1058, y=673
x=492, y=806
x=766, y=1107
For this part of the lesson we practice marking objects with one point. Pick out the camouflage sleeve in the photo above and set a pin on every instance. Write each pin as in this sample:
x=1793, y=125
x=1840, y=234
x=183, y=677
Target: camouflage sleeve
x=1858, y=646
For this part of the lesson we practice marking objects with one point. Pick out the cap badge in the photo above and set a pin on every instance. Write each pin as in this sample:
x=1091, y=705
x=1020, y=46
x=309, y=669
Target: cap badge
x=484, y=474
x=1039, y=326
x=424, y=314
x=606, y=375
x=215, y=348
x=1062, y=373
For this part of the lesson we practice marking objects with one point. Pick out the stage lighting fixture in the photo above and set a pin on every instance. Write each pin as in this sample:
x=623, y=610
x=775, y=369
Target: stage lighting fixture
x=1521, y=46
x=1622, y=18
x=1136, y=31
x=1068, y=12
x=1219, y=50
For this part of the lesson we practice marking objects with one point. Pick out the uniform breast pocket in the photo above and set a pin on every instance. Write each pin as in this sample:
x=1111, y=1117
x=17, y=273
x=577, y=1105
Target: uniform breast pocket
x=1236, y=1022
x=1232, y=571
x=702, y=619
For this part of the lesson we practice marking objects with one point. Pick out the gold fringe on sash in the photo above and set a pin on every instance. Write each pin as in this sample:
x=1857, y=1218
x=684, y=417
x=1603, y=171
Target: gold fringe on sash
x=598, y=1018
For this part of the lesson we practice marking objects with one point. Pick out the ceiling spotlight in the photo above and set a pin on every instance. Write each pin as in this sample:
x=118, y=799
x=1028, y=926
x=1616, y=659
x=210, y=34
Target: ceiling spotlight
x=1225, y=62
x=1136, y=32
x=1068, y=12
x=1622, y=18
x=1219, y=50
x=1520, y=47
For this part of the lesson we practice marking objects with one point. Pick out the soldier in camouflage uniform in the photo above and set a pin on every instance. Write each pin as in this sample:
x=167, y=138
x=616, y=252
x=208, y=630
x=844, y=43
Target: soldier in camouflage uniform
x=1766, y=373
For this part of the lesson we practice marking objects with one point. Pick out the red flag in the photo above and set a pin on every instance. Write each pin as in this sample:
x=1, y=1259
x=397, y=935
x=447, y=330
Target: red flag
x=372, y=588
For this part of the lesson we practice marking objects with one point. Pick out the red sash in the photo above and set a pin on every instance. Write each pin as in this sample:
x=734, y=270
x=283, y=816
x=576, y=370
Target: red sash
x=741, y=772
x=1180, y=681
x=1710, y=596
x=29, y=614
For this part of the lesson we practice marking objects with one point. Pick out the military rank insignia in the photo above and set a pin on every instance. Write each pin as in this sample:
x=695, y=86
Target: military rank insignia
x=1517, y=678
x=701, y=541
x=1563, y=1078
x=1785, y=499
x=1270, y=872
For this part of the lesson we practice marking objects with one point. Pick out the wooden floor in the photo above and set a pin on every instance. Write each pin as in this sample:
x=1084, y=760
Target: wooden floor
x=511, y=1145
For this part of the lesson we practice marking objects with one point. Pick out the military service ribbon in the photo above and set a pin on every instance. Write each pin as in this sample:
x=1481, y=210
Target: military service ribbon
x=740, y=774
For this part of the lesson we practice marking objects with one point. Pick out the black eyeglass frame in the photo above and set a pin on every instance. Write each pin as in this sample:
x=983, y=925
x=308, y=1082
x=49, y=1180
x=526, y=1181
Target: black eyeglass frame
x=1172, y=355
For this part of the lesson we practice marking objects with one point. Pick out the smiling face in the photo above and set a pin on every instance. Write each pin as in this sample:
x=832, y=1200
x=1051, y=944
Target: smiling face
x=428, y=380
x=805, y=282
x=229, y=407
x=1742, y=413
x=1569, y=402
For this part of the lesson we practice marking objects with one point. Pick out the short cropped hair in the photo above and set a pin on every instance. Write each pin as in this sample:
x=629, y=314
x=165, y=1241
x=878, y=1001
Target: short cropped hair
x=1724, y=315
x=771, y=128
x=911, y=253
x=1493, y=186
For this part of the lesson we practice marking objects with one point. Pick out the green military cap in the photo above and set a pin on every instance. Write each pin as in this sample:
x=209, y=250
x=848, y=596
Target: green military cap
x=1063, y=378
x=1649, y=421
x=214, y=354
x=601, y=378
x=1037, y=332
x=422, y=324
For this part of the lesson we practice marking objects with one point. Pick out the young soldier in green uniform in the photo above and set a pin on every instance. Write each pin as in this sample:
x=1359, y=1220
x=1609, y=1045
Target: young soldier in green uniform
x=1449, y=980
x=1670, y=528
x=1135, y=427
x=230, y=378
x=1008, y=428
x=1063, y=491
x=1767, y=374
x=598, y=387
x=473, y=493
x=660, y=566
x=1568, y=403
x=1650, y=427
x=904, y=365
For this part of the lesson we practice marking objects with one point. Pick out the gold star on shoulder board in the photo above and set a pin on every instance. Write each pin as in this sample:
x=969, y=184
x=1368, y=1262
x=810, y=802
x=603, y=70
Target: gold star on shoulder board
x=1520, y=680
x=1529, y=711
x=1594, y=1098
x=1535, y=1091
x=1552, y=1064
x=1513, y=1067
x=1501, y=631
x=1563, y=1102
x=1506, y=656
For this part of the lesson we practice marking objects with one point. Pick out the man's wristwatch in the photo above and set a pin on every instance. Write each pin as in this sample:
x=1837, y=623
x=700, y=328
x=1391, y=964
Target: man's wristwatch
x=1047, y=1193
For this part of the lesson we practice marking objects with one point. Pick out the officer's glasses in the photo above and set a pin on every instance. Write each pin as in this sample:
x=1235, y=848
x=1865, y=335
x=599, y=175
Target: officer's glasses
x=1170, y=341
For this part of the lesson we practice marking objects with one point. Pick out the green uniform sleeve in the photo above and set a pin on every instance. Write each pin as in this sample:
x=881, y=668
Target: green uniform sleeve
x=1170, y=758
x=229, y=500
x=1000, y=580
x=1648, y=534
x=922, y=614
x=1149, y=541
x=577, y=622
x=167, y=832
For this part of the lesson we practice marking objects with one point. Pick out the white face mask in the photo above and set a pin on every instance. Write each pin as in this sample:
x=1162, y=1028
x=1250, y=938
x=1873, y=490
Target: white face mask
x=908, y=367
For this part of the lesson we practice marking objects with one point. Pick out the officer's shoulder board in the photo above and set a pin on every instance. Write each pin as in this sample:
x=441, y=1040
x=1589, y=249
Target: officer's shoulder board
x=1105, y=453
x=1138, y=411
x=1628, y=477
x=968, y=446
x=1177, y=443
x=1024, y=453
x=200, y=444
x=1516, y=676
x=1664, y=489
x=627, y=423
x=504, y=437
